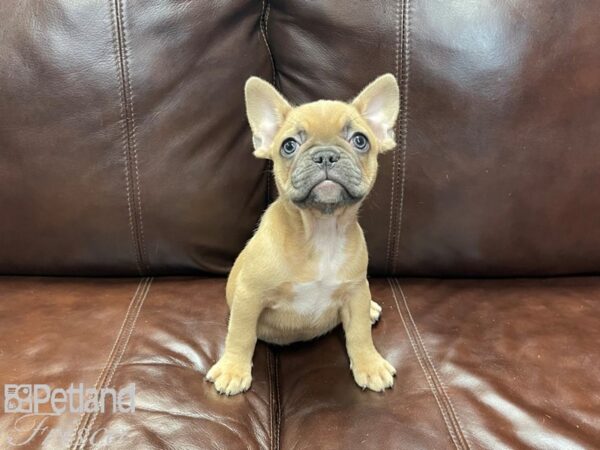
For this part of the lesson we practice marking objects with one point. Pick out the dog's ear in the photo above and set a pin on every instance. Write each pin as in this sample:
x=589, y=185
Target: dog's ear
x=266, y=110
x=378, y=104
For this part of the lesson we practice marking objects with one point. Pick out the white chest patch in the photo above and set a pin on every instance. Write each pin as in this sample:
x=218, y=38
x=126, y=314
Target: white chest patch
x=313, y=298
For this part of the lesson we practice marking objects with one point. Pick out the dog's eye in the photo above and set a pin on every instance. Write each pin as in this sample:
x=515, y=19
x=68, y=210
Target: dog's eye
x=360, y=142
x=289, y=147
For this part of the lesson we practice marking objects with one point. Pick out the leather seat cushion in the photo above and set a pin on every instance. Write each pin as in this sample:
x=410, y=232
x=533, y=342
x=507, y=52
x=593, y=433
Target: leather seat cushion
x=481, y=364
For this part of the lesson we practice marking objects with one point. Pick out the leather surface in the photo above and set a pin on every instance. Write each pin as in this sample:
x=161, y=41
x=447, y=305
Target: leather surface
x=496, y=169
x=162, y=335
x=124, y=147
x=125, y=150
x=484, y=364
x=500, y=364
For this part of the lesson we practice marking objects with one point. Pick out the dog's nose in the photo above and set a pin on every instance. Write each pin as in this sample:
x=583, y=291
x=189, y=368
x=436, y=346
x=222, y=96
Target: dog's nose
x=326, y=157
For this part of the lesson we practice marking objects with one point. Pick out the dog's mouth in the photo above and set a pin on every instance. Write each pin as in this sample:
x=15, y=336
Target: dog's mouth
x=326, y=186
x=327, y=195
x=328, y=191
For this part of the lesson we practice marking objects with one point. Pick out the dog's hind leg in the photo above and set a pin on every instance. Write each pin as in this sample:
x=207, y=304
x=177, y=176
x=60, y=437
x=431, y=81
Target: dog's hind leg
x=375, y=312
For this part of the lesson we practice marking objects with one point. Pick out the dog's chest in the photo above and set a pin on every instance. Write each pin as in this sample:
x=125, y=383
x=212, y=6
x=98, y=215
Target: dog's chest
x=316, y=297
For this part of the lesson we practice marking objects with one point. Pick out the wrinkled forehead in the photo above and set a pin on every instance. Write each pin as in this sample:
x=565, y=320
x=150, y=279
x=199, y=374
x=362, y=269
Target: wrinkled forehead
x=323, y=119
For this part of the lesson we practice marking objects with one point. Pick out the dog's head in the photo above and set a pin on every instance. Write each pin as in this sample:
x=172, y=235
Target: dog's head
x=324, y=153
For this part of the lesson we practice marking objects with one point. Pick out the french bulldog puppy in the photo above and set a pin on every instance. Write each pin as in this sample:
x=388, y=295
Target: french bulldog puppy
x=305, y=269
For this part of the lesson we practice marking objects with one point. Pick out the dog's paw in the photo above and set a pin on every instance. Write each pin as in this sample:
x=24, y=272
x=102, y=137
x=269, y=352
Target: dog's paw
x=375, y=312
x=374, y=373
x=230, y=377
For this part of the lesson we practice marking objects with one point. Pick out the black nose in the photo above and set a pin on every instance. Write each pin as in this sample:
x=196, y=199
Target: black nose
x=326, y=157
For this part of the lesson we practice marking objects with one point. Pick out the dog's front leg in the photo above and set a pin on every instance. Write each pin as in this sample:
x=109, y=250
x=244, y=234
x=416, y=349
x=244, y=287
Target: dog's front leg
x=369, y=368
x=232, y=374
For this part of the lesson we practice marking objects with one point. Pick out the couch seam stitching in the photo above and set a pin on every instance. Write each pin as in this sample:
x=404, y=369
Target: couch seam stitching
x=263, y=25
x=137, y=183
x=434, y=380
x=275, y=402
x=124, y=132
x=275, y=413
x=391, y=232
x=441, y=383
x=102, y=372
x=264, y=29
x=432, y=387
x=117, y=360
x=74, y=436
x=270, y=378
x=129, y=129
x=403, y=122
x=278, y=401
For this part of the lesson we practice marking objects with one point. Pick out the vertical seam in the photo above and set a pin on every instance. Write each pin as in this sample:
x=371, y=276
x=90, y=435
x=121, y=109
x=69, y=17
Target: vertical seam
x=274, y=399
x=102, y=372
x=436, y=385
x=271, y=406
x=272, y=363
x=403, y=119
x=391, y=231
x=119, y=355
x=117, y=360
x=432, y=387
x=142, y=240
x=264, y=30
x=402, y=68
x=129, y=129
x=277, y=402
x=124, y=133
x=81, y=433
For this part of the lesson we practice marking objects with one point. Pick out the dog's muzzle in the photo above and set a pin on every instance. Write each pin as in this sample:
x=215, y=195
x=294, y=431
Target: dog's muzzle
x=326, y=178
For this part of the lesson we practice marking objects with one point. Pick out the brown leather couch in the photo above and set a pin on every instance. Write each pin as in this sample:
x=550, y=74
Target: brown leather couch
x=127, y=187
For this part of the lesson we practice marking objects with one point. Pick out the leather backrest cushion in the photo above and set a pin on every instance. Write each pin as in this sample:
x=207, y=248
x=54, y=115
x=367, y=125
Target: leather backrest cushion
x=497, y=168
x=124, y=147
